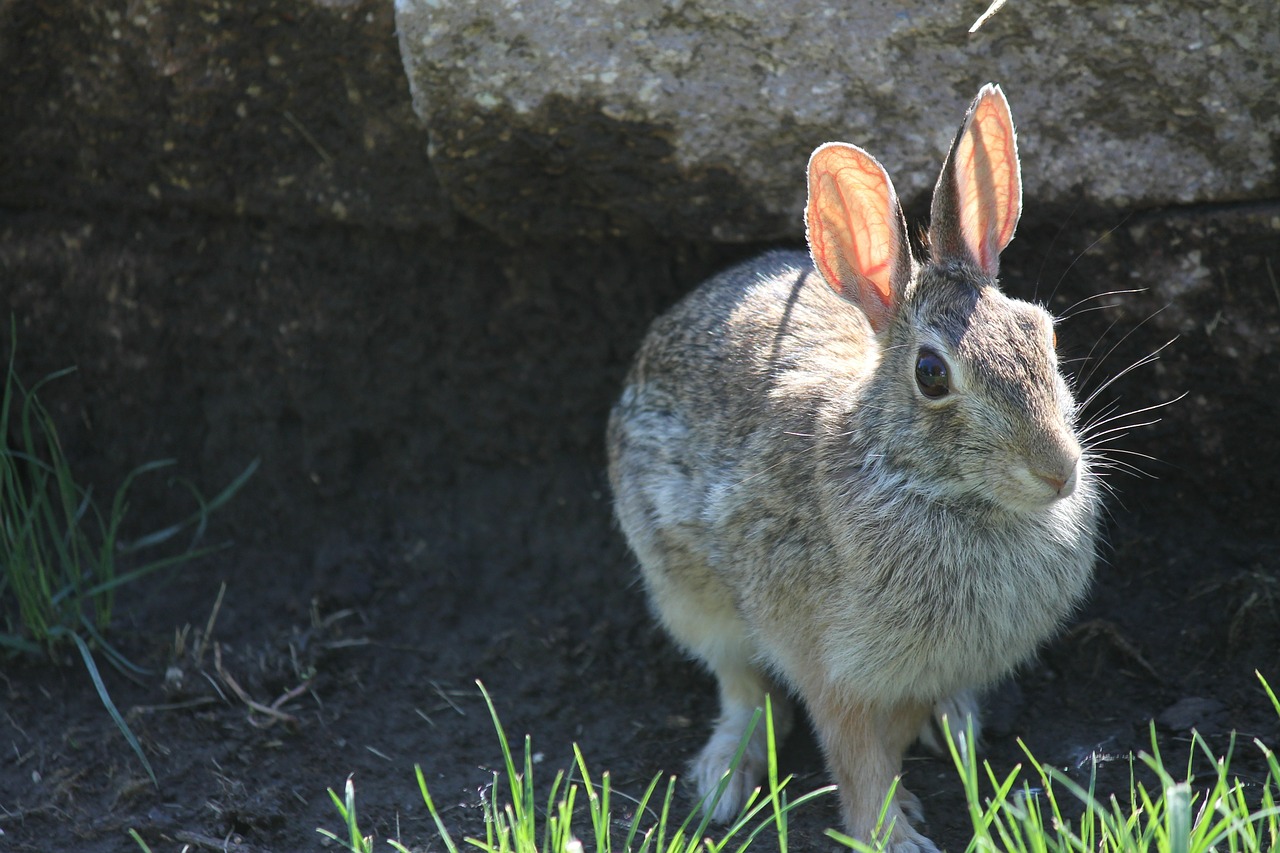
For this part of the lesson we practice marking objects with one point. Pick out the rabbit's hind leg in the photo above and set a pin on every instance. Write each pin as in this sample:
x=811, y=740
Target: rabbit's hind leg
x=864, y=743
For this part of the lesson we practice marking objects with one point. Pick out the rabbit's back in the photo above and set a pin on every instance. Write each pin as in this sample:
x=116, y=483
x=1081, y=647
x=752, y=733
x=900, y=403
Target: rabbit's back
x=735, y=353
x=754, y=352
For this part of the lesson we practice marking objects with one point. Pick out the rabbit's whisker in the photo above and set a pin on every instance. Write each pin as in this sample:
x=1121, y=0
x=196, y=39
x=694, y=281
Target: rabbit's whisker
x=1108, y=411
x=1113, y=435
x=1150, y=357
x=1081, y=380
x=1121, y=430
x=1106, y=416
x=1089, y=376
x=1107, y=451
x=1126, y=468
x=1067, y=315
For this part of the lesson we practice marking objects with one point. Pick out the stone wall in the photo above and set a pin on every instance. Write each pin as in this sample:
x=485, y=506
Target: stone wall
x=589, y=117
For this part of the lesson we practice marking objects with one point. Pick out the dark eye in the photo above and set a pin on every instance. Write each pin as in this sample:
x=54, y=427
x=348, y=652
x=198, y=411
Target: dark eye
x=932, y=374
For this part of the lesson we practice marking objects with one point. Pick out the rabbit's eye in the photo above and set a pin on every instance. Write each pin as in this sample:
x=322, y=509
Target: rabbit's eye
x=931, y=374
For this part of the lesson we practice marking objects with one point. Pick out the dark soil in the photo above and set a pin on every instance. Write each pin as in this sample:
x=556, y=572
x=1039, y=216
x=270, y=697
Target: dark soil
x=432, y=509
x=428, y=406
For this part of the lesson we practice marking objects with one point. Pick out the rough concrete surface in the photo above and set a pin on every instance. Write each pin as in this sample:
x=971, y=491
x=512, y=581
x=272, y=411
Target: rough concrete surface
x=579, y=116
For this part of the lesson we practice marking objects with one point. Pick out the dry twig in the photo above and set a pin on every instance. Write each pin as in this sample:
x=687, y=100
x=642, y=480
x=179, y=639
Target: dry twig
x=272, y=712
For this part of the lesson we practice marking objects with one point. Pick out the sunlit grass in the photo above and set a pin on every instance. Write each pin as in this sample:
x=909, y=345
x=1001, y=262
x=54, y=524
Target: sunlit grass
x=1180, y=813
x=515, y=824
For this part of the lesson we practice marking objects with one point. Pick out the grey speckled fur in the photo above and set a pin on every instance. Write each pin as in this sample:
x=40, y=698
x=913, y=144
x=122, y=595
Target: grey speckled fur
x=809, y=523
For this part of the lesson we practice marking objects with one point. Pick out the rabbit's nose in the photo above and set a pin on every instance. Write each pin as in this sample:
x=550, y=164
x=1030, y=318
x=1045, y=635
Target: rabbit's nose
x=1063, y=482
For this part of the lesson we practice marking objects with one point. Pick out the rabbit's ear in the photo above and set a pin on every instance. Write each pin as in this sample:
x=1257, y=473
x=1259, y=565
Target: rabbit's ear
x=978, y=199
x=857, y=236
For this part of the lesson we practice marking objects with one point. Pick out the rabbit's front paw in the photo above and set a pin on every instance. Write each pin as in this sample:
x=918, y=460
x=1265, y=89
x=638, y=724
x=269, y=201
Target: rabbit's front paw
x=907, y=839
x=913, y=842
x=714, y=761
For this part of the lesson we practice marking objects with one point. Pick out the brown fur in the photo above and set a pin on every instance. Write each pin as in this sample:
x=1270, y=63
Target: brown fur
x=809, y=523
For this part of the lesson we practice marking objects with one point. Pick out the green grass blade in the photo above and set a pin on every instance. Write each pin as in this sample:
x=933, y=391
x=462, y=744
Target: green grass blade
x=780, y=816
x=52, y=377
x=433, y=811
x=641, y=807
x=776, y=797
x=1275, y=703
x=111, y=707
x=133, y=833
x=14, y=643
x=1177, y=806
x=664, y=815
x=518, y=797
x=199, y=518
x=355, y=841
x=598, y=805
x=358, y=842
x=152, y=567
x=117, y=660
x=120, y=502
x=551, y=827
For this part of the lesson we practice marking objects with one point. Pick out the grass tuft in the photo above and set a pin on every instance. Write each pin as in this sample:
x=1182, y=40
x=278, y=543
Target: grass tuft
x=515, y=824
x=355, y=840
x=59, y=567
x=1182, y=814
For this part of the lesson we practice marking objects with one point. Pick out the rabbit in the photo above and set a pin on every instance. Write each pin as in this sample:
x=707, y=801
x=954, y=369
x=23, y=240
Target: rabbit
x=854, y=478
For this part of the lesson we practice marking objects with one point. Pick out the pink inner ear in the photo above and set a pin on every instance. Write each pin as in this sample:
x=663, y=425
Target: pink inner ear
x=988, y=182
x=852, y=232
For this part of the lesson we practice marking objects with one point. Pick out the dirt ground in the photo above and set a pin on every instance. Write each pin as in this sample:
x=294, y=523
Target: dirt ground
x=432, y=509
